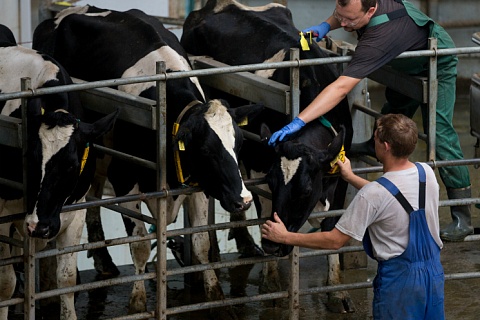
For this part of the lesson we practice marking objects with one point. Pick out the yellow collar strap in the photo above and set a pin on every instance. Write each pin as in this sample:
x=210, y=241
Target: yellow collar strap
x=181, y=145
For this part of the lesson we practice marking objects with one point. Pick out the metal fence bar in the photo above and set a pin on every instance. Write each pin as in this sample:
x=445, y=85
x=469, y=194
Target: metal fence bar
x=230, y=69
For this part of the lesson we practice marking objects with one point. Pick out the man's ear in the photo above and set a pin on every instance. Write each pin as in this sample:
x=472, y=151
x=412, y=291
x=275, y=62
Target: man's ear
x=387, y=146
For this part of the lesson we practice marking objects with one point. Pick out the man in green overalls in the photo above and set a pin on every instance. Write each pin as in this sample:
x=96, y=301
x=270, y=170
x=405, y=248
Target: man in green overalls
x=385, y=29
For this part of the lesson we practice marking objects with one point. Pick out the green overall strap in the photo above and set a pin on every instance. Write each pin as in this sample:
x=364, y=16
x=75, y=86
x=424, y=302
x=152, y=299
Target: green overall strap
x=388, y=16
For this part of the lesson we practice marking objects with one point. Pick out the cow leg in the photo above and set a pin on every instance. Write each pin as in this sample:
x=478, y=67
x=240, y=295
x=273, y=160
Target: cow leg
x=338, y=301
x=140, y=252
x=8, y=279
x=48, y=280
x=67, y=263
x=102, y=260
x=7, y=273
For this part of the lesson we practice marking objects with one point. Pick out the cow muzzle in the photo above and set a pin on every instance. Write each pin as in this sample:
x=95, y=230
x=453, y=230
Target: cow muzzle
x=39, y=231
x=241, y=206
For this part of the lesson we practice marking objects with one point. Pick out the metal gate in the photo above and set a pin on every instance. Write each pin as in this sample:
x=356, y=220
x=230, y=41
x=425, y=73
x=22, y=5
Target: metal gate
x=152, y=114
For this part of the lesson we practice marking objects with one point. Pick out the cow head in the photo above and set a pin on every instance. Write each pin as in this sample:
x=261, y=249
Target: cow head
x=60, y=167
x=299, y=178
x=209, y=141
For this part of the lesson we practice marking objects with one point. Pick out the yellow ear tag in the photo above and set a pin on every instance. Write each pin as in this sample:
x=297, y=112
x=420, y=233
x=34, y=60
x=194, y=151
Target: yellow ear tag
x=63, y=3
x=304, y=42
x=84, y=157
x=181, y=145
x=244, y=122
x=333, y=163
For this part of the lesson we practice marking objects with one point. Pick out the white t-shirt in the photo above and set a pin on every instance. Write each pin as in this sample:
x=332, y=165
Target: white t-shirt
x=388, y=223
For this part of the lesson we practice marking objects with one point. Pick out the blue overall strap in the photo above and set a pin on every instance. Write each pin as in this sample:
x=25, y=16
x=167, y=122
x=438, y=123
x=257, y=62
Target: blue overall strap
x=396, y=193
x=422, y=181
x=422, y=188
x=388, y=16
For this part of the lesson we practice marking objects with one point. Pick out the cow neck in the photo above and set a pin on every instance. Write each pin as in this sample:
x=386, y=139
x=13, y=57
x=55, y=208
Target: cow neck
x=176, y=153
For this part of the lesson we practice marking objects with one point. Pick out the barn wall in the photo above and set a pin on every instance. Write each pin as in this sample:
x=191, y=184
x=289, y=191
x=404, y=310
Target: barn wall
x=16, y=14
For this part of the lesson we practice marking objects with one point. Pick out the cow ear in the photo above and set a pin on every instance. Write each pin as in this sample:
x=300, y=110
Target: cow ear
x=337, y=143
x=265, y=133
x=99, y=127
x=333, y=149
x=245, y=113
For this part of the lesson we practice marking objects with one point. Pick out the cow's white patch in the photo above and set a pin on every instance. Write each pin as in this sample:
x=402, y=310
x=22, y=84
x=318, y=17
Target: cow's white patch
x=268, y=73
x=319, y=207
x=289, y=168
x=19, y=62
x=221, y=4
x=220, y=121
x=53, y=139
x=146, y=67
x=77, y=10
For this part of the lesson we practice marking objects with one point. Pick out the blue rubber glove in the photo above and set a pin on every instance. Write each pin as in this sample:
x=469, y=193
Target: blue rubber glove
x=318, y=31
x=289, y=129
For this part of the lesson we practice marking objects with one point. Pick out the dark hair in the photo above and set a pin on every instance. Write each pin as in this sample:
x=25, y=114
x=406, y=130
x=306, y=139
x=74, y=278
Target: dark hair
x=366, y=4
x=400, y=132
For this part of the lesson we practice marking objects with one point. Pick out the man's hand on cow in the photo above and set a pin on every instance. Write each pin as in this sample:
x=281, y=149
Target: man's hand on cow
x=318, y=31
x=274, y=230
x=288, y=130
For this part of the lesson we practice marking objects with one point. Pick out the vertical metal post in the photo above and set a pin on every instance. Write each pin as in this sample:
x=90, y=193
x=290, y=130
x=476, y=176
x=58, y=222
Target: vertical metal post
x=432, y=100
x=294, y=287
x=294, y=294
x=294, y=84
x=28, y=242
x=187, y=254
x=161, y=125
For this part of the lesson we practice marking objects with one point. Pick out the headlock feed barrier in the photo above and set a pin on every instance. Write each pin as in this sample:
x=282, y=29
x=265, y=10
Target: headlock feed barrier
x=152, y=114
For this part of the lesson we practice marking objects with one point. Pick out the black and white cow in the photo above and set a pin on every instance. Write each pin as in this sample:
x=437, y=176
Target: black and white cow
x=60, y=164
x=96, y=44
x=298, y=177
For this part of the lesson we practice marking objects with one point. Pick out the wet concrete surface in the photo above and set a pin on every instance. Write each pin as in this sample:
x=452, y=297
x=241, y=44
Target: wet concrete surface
x=461, y=296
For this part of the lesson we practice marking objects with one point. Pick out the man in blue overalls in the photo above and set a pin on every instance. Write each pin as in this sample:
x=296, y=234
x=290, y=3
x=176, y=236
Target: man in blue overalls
x=397, y=219
x=385, y=29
